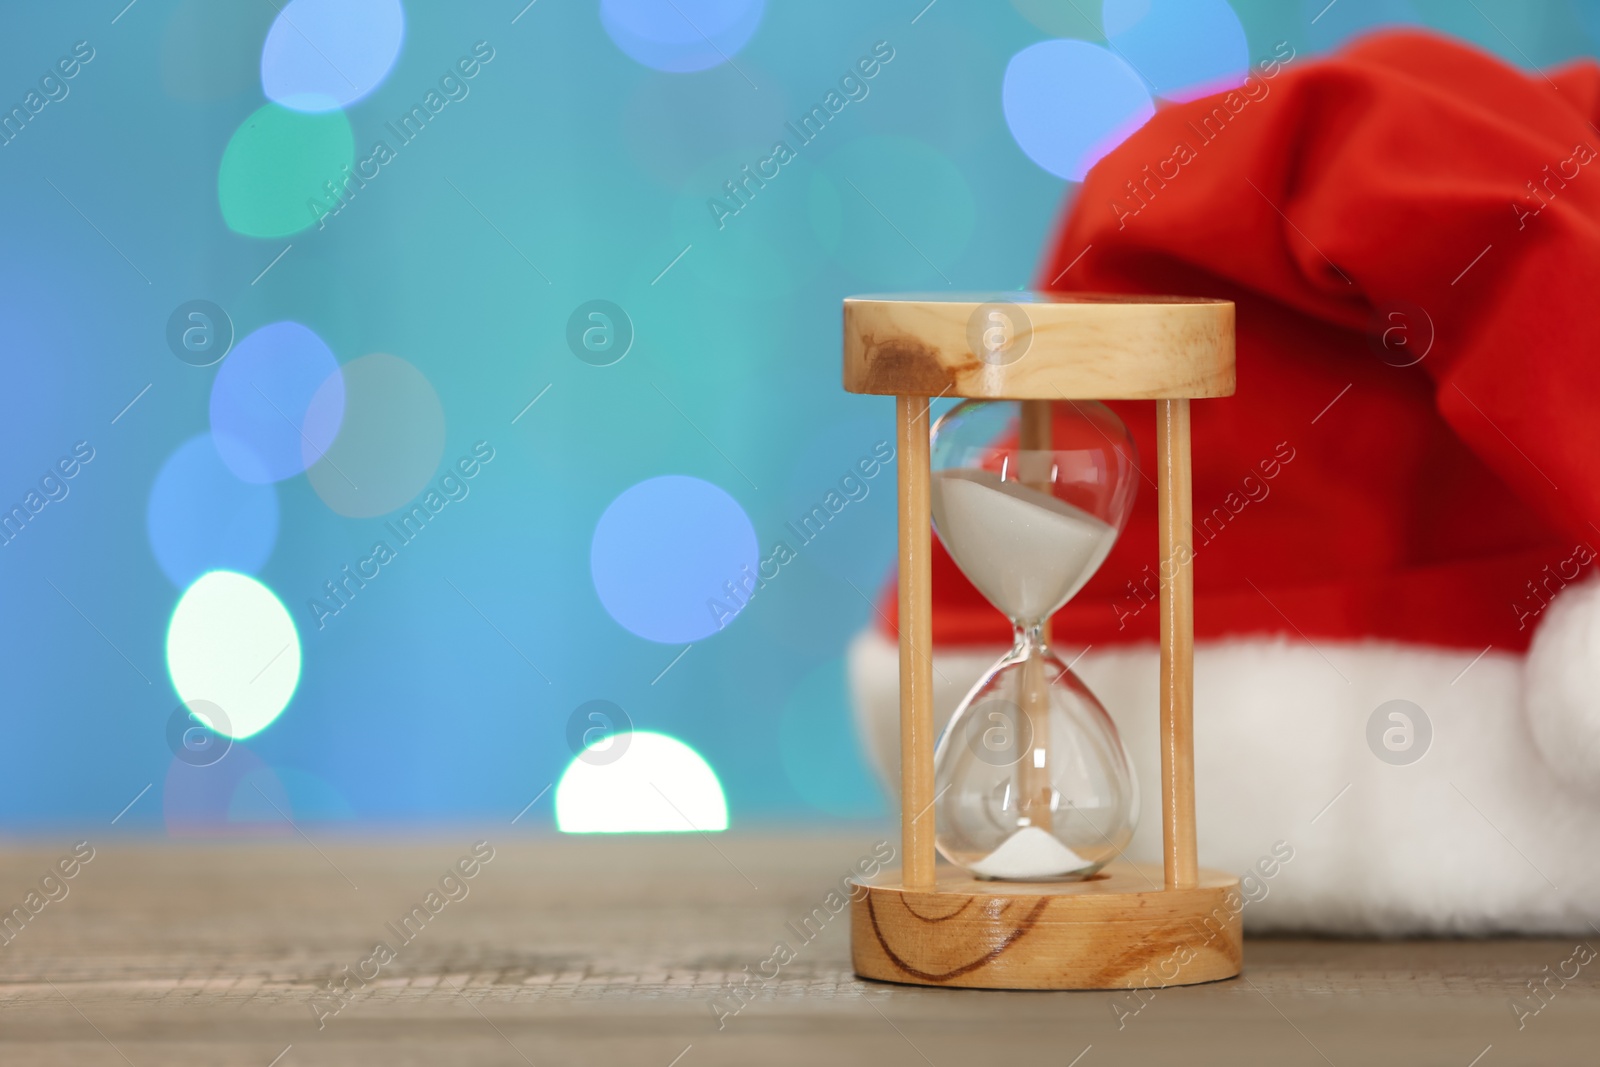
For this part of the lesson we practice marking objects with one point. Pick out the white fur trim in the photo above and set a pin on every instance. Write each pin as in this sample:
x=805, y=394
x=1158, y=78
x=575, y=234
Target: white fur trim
x=1474, y=838
x=1563, y=686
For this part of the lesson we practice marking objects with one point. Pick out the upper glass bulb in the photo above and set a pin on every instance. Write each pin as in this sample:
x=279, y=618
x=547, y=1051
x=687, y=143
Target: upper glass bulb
x=1029, y=505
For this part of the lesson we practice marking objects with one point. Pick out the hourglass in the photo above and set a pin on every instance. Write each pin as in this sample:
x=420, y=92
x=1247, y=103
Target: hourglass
x=1031, y=780
x=1030, y=794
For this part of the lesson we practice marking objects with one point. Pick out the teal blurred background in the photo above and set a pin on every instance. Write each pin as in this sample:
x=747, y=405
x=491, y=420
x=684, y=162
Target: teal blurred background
x=577, y=163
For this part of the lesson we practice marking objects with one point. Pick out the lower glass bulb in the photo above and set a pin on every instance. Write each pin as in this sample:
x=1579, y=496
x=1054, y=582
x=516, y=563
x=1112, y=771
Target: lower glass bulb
x=1031, y=779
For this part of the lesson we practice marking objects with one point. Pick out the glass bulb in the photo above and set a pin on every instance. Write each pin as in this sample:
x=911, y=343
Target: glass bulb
x=1031, y=779
x=1033, y=782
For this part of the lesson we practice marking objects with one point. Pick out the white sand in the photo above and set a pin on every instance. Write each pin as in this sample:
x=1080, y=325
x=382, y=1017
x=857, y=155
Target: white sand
x=1030, y=853
x=1025, y=550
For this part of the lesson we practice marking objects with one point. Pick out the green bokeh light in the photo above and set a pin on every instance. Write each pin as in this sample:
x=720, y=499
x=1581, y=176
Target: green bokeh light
x=276, y=168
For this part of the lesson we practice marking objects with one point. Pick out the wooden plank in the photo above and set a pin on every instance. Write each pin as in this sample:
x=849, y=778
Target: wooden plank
x=604, y=949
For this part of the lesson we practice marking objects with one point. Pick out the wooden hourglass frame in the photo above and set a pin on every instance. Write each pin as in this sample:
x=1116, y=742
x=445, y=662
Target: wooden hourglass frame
x=1129, y=926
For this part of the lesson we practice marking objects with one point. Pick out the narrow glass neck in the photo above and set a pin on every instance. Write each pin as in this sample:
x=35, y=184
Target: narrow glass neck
x=1027, y=635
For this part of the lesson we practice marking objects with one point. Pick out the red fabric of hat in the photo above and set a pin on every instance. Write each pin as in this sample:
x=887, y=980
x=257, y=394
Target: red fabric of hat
x=1411, y=231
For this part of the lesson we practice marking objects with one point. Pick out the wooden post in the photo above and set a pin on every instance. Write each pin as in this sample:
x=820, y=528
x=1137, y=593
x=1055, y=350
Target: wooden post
x=1177, y=645
x=1033, y=470
x=916, y=644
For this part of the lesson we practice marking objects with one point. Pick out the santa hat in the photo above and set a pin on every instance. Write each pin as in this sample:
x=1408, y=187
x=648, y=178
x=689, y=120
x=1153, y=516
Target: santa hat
x=1411, y=232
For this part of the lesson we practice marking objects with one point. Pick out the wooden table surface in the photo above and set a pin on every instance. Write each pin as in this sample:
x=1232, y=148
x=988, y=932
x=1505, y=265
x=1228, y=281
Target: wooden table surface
x=614, y=950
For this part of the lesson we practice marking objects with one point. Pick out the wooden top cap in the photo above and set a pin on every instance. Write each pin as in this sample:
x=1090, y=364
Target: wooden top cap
x=1038, y=346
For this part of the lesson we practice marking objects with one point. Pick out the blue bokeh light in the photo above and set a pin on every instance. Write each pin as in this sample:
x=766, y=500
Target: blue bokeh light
x=1186, y=48
x=325, y=54
x=678, y=36
x=1068, y=103
x=663, y=550
x=201, y=517
x=260, y=400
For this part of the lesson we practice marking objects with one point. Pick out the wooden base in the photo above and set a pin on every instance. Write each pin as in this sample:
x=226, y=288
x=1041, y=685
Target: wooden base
x=1118, y=930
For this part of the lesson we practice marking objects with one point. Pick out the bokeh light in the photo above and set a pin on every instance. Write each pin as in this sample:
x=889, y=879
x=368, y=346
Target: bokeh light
x=269, y=796
x=261, y=402
x=671, y=126
x=828, y=463
x=665, y=550
x=278, y=165
x=1058, y=19
x=819, y=749
x=200, y=801
x=325, y=54
x=231, y=642
x=898, y=213
x=1068, y=103
x=312, y=798
x=247, y=798
x=1186, y=48
x=202, y=517
x=768, y=247
x=681, y=35
x=260, y=800
x=659, y=785
x=389, y=429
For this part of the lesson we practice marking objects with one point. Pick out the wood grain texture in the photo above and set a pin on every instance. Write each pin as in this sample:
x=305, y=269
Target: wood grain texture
x=916, y=640
x=606, y=950
x=1119, y=930
x=1081, y=347
x=1174, y=505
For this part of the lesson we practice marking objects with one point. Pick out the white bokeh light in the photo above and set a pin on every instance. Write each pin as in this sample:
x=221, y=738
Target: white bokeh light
x=231, y=642
x=658, y=785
